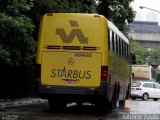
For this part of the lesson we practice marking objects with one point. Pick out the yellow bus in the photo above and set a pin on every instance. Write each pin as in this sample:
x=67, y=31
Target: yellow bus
x=82, y=58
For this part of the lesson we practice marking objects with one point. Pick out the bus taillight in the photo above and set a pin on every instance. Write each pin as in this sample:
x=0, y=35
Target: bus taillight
x=49, y=14
x=104, y=72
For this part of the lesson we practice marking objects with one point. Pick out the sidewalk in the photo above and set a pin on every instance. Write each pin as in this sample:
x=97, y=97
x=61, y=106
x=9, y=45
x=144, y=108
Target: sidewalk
x=21, y=102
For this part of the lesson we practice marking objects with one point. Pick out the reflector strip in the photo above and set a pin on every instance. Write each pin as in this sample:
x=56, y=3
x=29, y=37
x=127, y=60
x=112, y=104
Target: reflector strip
x=52, y=47
x=90, y=48
x=71, y=47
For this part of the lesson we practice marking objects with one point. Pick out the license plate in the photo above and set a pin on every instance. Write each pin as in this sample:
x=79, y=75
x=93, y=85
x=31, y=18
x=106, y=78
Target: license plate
x=70, y=82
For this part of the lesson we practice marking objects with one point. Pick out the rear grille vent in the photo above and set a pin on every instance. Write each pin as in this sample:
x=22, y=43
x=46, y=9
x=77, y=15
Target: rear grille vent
x=52, y=47
x=71, y=47
x=89, y=48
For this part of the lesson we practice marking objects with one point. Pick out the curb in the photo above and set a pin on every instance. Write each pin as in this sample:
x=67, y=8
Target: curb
x=22, y=102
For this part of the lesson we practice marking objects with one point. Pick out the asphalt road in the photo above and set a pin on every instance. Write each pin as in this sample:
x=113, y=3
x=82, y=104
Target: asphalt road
x=134, y=110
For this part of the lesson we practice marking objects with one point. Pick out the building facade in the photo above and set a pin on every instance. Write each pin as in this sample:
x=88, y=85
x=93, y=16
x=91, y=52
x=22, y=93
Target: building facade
x=147, y=34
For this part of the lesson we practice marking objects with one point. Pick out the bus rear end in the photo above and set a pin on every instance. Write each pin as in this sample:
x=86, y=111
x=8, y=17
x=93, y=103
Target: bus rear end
x=70, y=57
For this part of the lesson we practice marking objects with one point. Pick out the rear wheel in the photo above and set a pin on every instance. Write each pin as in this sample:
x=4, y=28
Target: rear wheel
x=101, y=104
x=145, y=96
x=79, y=103
x=121, y=103
x=51, y=104
x=56, y=104
x=115, y=99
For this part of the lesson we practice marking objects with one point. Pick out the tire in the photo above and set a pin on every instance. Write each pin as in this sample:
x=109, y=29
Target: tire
x=115, y=99
x=101, y=104
x=56, y=105
x=51, y=104
x=121, y=104
x=145, y=96
x=155, y=99
x=79, y=103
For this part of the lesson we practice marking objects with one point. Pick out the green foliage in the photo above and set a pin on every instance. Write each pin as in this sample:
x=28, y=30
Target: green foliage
x=118, y=11
x=20, y=22
x=158, y=71
x=143, y=55
x=138, y=51
x=17, y=46
x=63, y=6
x=154, y=56
x=59, y=6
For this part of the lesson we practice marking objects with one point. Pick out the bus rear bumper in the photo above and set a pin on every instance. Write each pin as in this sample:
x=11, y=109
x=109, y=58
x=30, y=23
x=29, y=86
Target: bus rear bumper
x=46, y=91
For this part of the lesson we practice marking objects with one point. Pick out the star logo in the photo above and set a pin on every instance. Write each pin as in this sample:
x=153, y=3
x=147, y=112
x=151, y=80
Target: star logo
x=71, y=61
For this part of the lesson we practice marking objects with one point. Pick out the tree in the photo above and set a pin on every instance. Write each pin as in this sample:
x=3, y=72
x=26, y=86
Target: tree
x=138, y=51
x=143, y=55
x=155, y=56
x=59, y=6
x=17, y=46
x=118, y=11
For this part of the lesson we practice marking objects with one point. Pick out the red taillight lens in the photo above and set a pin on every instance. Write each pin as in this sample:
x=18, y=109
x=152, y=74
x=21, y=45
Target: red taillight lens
x=104, y=72
x=138, y=88
x=49, y=14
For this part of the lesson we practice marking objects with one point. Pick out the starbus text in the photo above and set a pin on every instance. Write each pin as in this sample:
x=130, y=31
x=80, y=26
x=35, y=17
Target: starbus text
x=63, y=73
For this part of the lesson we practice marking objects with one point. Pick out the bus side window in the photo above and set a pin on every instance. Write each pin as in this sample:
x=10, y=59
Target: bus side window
x=120, y=46
x=117, y=45
x=110, y=39
x=113, y=41
x=111, y=46
x=125, y=50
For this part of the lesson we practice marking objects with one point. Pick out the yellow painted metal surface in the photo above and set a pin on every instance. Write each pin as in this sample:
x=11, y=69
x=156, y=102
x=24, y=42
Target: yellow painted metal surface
x=71, y=68
x=61, y=29
x=72, y=48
